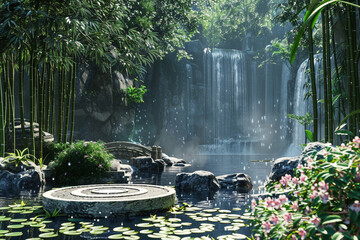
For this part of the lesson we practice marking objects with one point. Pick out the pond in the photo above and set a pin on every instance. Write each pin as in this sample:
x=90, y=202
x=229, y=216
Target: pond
x=204, y=216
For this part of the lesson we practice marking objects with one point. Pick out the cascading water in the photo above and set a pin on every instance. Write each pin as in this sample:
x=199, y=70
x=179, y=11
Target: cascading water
x=301, y=106
x=226, y=101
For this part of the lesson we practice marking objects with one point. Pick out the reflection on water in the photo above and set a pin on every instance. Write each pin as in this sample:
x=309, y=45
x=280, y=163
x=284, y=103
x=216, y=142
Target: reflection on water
x=253, y=165
x=224, y=199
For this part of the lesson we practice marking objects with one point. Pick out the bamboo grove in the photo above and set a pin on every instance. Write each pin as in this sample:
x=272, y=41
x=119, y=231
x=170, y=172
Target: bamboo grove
x=44, y=42
x=340, y=49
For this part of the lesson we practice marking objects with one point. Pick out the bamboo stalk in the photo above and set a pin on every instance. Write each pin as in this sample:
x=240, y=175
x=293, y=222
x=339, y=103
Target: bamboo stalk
x=67, y=109
x=313, y=84
x=324, y=46
x=2, y=119
x=48, y=101
x=329, y=82
x=11, y=85
x=32, y=113
x=60, y=103
x=53, y=111
x=41, y=107
x=73, y=85
x=21, y=97
x=352, y=93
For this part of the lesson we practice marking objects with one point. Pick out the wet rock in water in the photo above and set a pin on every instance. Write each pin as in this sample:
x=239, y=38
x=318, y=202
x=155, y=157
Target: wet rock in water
x=25, y=180
x=146, y=163
x=236, y=181
x=173, y=161
x=198, y=181
x=314, y=149
x=282, y=166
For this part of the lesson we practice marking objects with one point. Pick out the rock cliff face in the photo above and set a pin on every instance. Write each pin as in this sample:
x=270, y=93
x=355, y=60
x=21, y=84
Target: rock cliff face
x=173, y=102
x=101, y=110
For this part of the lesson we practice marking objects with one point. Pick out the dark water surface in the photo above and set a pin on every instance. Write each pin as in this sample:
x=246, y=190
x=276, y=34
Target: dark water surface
x=222, y=201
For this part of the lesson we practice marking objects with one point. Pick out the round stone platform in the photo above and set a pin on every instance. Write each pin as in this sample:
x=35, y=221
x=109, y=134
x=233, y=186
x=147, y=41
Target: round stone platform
x=101, y=200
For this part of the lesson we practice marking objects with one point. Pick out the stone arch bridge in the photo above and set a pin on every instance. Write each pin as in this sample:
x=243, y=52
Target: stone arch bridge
x=128, y=150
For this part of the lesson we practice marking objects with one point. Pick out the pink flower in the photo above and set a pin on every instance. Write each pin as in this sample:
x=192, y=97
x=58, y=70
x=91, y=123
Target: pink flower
x=302, y=233
x=342, y=146
x=356, y=140
x=315, y=220
x=277, y=186
x=303, y=178
x=274, y=219
x=253, y=204
x=295, y=180
x=100, y=165
x=355, y=206
x=283, y=198
x=287, y=217
x=266, y=226
x=313, y=195
x=323, y=186
x=299, y=166
x=295, y=206
x=309, y=160
x=285, y=180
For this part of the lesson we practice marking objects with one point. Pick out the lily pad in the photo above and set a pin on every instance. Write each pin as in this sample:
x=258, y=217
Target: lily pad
x=48, y=235
x=17, y=220
x=121, y=229
x=13, y=234
x=116, y=236
x=15, y=226
x=96, y=232
x=146, y=231
x=72, y=233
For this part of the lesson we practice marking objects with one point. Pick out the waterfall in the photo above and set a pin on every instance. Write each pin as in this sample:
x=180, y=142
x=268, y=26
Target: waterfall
x=302, y=106
x=285, y=77
x=226, y=113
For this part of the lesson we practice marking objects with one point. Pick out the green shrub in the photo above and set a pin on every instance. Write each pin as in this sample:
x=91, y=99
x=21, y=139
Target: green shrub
x=320, y=202
x=82, y=160
x=53, y=149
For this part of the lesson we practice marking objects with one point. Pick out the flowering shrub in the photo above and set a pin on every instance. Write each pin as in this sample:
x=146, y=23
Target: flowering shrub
x=321, y=201
x=81, y=160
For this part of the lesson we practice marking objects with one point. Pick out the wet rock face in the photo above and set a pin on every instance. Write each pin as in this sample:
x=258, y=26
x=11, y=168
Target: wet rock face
x=282, y=166
x=198, y=181
x=102, y=106
x=26, y=180
x=240, y=182
x=286, y=165
x=146, y=163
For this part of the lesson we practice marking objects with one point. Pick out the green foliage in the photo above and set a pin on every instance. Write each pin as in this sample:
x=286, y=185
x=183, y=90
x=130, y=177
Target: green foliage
x=224, y=20
x=135, y=94
x=310, y=19
x=303, y=120
x=20, y=157
x=322, y=200
x=309, y=135
x=81, y=160
x=54, y=149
